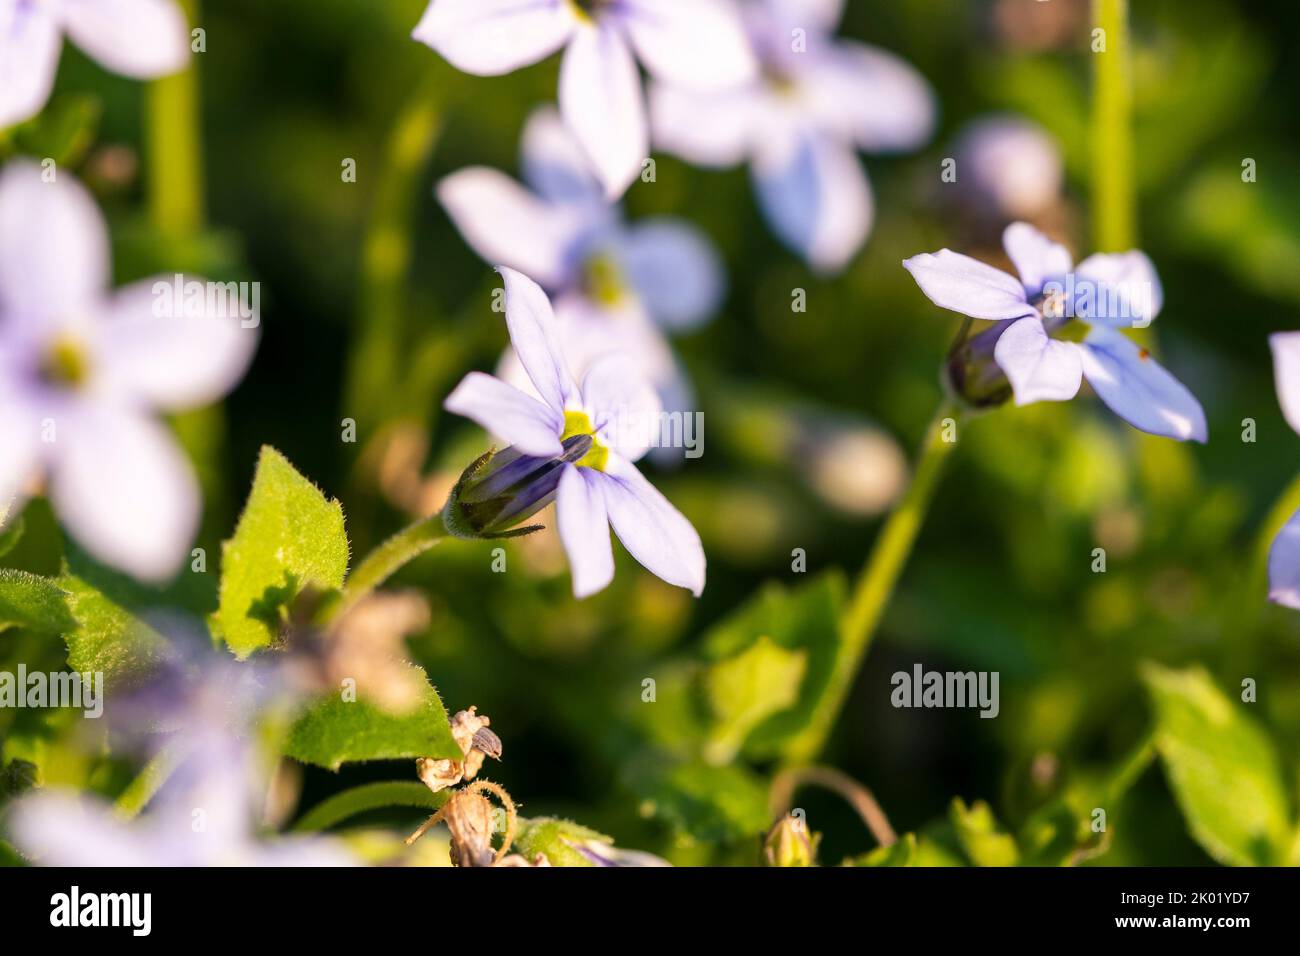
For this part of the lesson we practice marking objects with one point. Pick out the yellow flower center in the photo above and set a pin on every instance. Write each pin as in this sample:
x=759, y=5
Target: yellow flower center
x=604, y=280
x=587, y=10
x=66, y=363
x=579, y=423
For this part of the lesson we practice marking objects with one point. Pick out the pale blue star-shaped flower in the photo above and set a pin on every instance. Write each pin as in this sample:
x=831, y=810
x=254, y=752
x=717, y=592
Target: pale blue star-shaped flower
x=578, y=443
x=1058, y=324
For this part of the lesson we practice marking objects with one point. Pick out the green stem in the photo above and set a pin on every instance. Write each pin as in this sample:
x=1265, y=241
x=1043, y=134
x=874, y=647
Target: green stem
x=376, y=364
x=141, y=790
x=173, y=148
x=385, y=561
x=875, y=586
x=370, y=796
x=1114, y=214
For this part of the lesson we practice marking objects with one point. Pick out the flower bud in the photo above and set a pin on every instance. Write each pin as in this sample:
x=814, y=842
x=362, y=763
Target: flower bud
x=972, y=375
x=790, y=844
x=502, y=489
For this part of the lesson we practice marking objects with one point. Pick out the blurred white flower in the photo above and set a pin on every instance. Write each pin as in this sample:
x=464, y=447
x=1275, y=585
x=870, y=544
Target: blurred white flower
x=1007, y=167
x=694, y=44
x=798, y=124
x=137, y=38
x=202, y=712
x=83, y=368
x=616, y=286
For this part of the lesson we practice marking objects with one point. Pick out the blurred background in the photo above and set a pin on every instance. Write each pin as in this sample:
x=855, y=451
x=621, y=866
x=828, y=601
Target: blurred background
x=373, y=307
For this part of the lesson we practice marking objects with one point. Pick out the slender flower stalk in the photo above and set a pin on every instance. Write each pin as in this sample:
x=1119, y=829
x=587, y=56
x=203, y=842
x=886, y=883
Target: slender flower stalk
x=876, y=583
x=385, y=561
x=173, y=144
x=1114, y=213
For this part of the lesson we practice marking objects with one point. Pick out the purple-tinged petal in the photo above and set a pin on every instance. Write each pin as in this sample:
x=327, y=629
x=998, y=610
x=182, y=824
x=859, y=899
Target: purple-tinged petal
x=507, y=413
x=1036, y=257
x=491, y=37
x=554, y=163
x=675, y=270
x=20, y=454
x=1284, y=565
x=1040, y=369
x=624, y=408
x=696, y=44
x=1127, y=290
x=29, y=58
x=1286, y=374
x=1138, y=389
x=171, y=359
x=507, y=225
x=822, y=15
x=536, y=340
x=124, y=490
x=138, y=38
x=584, y=530
x=64, y=828
x=602, y=103
x=817, y=200
x=962, y=284
x=53, y=244
x=652, y=530
x=870, y=96
x=716, y=130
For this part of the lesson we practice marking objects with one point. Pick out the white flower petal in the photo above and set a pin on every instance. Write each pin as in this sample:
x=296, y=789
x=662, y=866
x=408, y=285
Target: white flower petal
x=652, y=530
x=29, y=59
x=1036, y=257
x=708, y=129
x=602, y=103
x=507, y=225
x=19, y=454
x=1284, y=565
x=1286, y=374
x=962, y=284
x=153, y=351
x=536, y=340
x=508, y=413
x=869, y=95
x=624, y=408
x=137, y=38
x=491, y=37
x=554, y=164
x=584, y=530
x=675, y=270
x=124, y=490
x=817, y=200
x=53, y=244
x=697, y=44
x=1040, y=369
x=1138, y=389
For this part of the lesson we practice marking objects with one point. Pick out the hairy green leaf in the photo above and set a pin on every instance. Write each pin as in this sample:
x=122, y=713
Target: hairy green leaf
x=334, y=731
x=289, y=536
x=33, y=602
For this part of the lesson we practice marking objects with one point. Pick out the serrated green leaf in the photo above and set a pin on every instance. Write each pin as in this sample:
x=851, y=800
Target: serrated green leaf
x=708, y=803
x=289, y=536
x=803, y=620
x=981, y=836
x=744, y=690
x=1223, y=769
x=334, y=731
x=33, y=602
x=106, y=637
x=553, y=837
